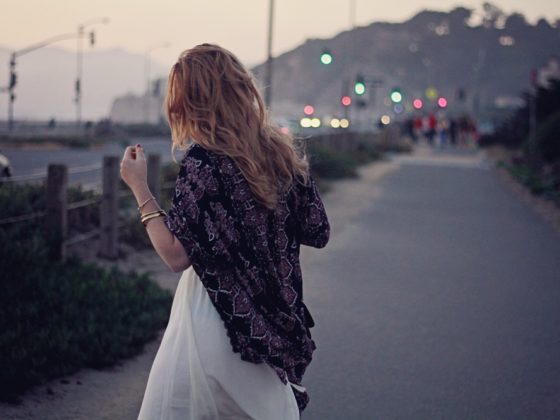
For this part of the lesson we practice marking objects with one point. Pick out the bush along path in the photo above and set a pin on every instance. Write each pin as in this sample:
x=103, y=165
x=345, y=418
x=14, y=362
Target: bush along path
x=534, y=155
x=56, y=318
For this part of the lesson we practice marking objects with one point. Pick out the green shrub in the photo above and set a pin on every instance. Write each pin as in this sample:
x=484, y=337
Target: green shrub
x=22, y=199
x=548, y=138
x=546, y=186
x=328, y=164
x=133, y=233
x=58, y=317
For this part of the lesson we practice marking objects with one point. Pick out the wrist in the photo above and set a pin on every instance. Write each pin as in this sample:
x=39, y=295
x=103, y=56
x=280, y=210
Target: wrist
x=141, y=193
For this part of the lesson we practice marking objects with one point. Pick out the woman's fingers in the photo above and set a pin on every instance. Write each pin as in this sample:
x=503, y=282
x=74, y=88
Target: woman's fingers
x=140, y=152
x=129, y=152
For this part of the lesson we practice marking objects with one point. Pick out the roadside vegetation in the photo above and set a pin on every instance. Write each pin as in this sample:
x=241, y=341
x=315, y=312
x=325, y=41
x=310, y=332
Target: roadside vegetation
x=533, y=160
x=57, y=317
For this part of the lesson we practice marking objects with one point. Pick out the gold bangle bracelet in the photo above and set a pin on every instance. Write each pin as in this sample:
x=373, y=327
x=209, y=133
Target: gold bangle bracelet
x=145, y=222
x=150, y=217
x=141, y=206
x=152, y=212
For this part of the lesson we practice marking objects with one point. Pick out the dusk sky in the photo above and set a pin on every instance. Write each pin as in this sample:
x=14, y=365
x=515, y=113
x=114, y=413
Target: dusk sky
x=240, y=26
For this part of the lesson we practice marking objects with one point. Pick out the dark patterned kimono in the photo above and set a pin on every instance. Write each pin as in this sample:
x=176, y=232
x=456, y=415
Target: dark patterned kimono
x=247, y=258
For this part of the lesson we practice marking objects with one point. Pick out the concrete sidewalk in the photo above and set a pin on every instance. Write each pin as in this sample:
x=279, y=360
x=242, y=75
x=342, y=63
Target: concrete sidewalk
x=438, y=301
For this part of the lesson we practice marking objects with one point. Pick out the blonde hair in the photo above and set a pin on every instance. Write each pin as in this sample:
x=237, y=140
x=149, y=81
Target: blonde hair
x=212, y=99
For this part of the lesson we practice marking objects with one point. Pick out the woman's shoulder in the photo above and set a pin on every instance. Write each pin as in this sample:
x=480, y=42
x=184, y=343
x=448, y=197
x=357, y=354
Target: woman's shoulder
x=196, y=152
x=205, y=161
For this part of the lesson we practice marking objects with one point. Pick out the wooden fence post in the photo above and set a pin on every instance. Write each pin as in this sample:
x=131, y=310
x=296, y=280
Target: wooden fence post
x=108, y=238
x=154, y=183
x=56, y=219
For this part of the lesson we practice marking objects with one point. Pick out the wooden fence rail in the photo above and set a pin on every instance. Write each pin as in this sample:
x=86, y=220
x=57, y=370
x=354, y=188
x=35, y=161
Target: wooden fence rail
x=56, y=213
x=56, y=219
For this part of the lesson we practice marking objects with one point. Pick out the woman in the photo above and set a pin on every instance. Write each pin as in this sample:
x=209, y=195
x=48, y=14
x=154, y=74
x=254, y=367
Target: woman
x=238, y=340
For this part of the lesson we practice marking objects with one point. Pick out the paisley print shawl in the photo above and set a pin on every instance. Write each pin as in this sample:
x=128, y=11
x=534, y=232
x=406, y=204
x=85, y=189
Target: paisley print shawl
x=247, y=258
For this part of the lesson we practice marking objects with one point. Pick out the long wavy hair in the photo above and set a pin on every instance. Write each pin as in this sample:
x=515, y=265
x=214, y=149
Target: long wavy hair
x=212, y=100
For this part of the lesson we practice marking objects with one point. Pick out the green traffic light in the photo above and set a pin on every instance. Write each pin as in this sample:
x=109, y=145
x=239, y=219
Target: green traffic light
x=326, y=58
x=396, y=96
x=360, y=88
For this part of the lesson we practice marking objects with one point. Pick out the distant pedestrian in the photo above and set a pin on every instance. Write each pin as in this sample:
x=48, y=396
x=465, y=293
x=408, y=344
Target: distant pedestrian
x=453, y=131
x=409, y=129
x=431, y=124
x=443, y=133
x=417, y=126
x=238, y=339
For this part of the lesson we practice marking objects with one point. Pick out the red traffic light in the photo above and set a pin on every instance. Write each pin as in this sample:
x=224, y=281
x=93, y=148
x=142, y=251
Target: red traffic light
x=346, y=100
x=442, y=102
x=308, y=110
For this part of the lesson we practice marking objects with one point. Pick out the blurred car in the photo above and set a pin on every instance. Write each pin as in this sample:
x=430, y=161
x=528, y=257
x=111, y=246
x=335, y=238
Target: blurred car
x=5, y=167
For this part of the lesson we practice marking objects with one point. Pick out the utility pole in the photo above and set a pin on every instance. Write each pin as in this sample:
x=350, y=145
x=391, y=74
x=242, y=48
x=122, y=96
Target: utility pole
x=80, y=63
x=352, y=14
x=13, y=74
x=11, y=89
x=268, y=78
x=78, y=85
x=147, y=78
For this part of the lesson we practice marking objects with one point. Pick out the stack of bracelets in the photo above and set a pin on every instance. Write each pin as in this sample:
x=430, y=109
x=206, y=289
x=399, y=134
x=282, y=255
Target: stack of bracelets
x=148, y=216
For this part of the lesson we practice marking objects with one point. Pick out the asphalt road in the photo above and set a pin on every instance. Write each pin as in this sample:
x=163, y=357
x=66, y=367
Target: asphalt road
x=440, y=299
x=84, y=165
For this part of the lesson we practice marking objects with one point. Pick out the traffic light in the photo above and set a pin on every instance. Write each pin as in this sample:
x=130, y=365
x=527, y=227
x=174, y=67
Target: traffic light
x=92, y=38
x=396, y=95
x=360, y=85
x=346, y=100
x=442, y=102
x=308, y=110
x=417, y=103
x=326, y=57
x=13, y=80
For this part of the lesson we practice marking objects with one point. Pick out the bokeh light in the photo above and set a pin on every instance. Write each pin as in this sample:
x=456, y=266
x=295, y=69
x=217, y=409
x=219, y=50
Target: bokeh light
x=442, y=102
x=431, y=93
x=417, y=103
x=396, y=96
x=326, y=58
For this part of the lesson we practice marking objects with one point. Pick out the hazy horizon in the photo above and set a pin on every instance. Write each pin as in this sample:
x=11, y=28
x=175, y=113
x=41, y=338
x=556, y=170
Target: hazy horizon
x=243, y=31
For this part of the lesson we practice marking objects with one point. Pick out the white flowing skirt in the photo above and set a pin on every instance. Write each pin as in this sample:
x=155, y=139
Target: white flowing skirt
x=196, y=375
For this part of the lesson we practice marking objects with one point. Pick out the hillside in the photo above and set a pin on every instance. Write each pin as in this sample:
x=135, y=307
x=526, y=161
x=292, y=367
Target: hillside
x=433, y=49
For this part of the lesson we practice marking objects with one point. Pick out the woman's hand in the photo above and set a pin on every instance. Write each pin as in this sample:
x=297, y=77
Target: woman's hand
x=134, y=171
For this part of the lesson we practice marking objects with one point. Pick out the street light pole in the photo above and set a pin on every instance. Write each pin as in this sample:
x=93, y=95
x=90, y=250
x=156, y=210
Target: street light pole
x=80, y=65
x=147, y=79
x=13, y=74
x=352, y=14
x=11, y=94
x=268, y=78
